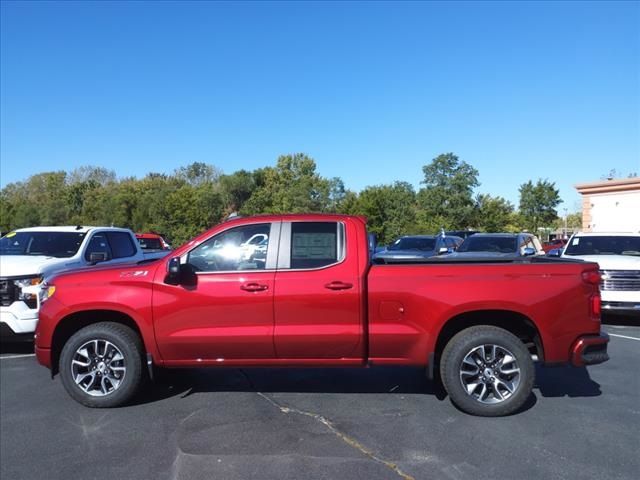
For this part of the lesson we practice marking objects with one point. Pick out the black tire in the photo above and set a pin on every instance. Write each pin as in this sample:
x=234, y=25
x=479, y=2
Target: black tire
x=130, y=346
x=452, y=371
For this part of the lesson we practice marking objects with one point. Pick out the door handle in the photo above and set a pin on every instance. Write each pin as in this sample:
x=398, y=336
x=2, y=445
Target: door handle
x=254, y=287
x=338, y=286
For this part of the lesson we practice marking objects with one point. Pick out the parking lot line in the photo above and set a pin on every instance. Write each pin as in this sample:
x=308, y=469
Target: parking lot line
x=624, y=336
x=17, y=356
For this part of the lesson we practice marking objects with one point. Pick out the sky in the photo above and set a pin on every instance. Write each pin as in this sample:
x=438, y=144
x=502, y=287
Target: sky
x=371, y=91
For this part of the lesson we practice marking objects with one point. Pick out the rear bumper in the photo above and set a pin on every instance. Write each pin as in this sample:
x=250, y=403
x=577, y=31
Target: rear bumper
x=590, y=350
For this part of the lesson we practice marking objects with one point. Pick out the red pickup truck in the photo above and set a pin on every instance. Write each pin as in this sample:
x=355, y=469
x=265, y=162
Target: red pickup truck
x=308, y=294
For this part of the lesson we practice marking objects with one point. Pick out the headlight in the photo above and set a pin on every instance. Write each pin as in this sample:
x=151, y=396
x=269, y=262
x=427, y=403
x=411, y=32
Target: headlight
x=46, y=292
x=28, y=288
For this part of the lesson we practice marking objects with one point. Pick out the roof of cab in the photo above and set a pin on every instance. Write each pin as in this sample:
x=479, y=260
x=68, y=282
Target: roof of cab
x=67, y=228
x=296, y=216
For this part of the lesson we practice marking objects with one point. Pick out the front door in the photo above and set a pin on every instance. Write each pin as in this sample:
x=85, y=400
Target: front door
x=223, y=307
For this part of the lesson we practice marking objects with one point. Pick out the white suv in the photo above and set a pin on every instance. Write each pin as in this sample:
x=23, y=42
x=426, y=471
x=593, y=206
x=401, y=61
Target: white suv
x=618, y=255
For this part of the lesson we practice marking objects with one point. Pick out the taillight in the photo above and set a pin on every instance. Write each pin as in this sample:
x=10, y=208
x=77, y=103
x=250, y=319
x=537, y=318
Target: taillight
x=591, y=277
x=596, y=306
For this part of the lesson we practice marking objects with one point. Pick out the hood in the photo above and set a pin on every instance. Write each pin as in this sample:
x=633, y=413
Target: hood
x=28, y=265
x=610, y=262
x=105, y=273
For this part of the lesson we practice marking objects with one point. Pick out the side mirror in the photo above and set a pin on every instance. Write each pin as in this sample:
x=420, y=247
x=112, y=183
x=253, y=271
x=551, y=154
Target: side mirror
x=556, y=252
x=97, y=257
x=443, y=250
x=173, y=271
x=528, y=251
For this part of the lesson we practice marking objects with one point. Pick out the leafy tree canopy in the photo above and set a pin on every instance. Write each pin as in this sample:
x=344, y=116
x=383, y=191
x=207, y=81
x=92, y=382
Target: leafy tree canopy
x=197, y=196
x=538, y=204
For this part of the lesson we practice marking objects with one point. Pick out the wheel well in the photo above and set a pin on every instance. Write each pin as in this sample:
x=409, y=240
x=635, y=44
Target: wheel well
x=76, y=321
x=520, y=325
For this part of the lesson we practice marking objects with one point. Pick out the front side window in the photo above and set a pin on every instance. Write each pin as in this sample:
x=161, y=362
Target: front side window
x=314, y=244
x=240, y=248
x=98, y=244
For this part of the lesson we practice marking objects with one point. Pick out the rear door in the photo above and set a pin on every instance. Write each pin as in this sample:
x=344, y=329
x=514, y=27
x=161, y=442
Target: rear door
x=317, y=300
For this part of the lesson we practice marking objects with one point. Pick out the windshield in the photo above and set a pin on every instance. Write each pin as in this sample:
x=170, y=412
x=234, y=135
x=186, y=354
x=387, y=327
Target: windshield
x=409, y=243
x=150, y=243
x=489, y=244
x=604, y=245
x=49, y=244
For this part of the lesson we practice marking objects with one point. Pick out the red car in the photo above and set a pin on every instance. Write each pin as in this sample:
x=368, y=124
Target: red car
x=317, y=300
x=152, y=241
x=553, y=244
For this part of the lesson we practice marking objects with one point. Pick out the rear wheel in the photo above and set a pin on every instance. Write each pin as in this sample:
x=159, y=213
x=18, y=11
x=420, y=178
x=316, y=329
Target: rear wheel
x=101, y=365
x=487, y=371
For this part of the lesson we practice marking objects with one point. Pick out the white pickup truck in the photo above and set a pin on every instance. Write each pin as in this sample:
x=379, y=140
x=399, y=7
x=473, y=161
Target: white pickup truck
x=30, y=255
x=618, y=255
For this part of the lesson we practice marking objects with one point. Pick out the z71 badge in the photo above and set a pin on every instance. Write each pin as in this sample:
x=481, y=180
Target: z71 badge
x=135, y=273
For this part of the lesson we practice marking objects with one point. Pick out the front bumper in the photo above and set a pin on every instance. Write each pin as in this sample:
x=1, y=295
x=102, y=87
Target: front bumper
x=621, y=308
x=8, y=335
x=19, y=318
x=590, y=350
x=43, y=355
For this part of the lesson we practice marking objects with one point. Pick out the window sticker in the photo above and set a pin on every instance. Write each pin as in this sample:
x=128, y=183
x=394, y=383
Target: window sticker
x=576, y=241
x=10, y=234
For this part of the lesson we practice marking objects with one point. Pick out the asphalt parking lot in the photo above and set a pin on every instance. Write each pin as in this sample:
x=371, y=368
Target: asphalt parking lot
x=378, y=423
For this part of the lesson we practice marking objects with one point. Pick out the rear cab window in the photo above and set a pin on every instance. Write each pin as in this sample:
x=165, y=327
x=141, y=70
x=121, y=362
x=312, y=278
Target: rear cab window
x=311, y=245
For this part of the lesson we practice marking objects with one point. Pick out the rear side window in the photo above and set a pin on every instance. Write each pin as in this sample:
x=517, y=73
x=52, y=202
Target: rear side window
x=98, y=244
x=314, y=244
x=122, y=245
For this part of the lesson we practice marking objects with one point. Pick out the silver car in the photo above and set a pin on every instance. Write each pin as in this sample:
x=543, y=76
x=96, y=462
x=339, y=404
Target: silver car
x=419, y=246
x=499, y=245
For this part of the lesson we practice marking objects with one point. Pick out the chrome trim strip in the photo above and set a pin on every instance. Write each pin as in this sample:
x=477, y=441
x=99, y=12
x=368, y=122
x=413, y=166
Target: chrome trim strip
x=284, y=251
x=272, y=247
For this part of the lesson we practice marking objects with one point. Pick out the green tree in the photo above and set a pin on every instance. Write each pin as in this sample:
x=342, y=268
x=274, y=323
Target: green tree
x=390, y=210
x=493, y=214
x=82, y=183
x=292, y=186
x=447, y=197
x=237, y=188
x=198, y=173
x=538, y=204
x=193, y=209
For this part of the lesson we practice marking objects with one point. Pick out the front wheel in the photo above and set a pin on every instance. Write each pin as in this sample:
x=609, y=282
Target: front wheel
x=101, y=365
x=487, y=371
